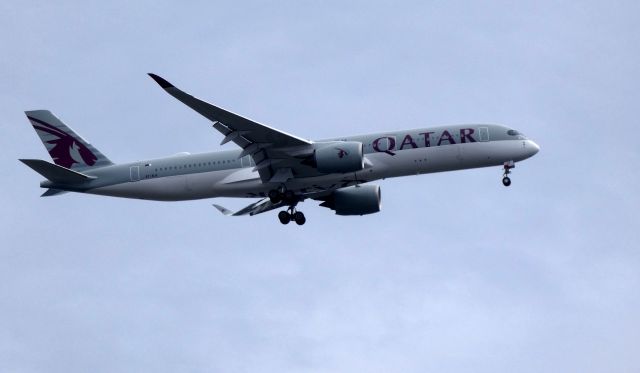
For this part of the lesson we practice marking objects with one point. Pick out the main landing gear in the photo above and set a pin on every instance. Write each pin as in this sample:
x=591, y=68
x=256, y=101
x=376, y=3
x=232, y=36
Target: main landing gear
x=506, y=181
x=288, y=198
x=291, y=214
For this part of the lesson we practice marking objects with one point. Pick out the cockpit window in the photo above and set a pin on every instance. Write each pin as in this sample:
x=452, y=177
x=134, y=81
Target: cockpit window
x=516, y=134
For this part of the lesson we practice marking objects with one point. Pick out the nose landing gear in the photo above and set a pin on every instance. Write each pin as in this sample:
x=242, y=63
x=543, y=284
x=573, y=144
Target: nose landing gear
x=506, y=181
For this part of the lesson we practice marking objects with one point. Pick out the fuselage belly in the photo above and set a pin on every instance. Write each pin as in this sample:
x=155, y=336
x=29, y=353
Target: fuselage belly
x=243, y=182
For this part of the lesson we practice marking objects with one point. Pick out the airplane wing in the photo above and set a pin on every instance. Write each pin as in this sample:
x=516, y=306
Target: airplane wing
x=259, y=207
x=277, y=155
x=265, y=204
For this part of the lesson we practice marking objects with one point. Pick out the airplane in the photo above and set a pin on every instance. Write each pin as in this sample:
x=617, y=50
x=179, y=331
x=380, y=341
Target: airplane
x=280, y=169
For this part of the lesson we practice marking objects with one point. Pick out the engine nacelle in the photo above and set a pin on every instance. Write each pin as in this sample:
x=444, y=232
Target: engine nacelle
x=356, y=200
x=339, y=157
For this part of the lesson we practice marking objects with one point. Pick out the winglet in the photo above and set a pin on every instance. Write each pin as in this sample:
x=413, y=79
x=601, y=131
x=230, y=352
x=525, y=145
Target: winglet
x=223, y=210
x=161, y=81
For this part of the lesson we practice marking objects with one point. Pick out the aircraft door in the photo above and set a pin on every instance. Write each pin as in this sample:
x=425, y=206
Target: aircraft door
x=484, y=133
x=134, y=173
x=245, y=161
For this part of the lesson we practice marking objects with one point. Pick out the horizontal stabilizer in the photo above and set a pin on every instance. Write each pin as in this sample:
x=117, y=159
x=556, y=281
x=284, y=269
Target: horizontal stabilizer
x=55, y=173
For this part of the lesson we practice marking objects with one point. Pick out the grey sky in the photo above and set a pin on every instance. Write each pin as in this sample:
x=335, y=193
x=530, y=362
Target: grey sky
x=457, y=273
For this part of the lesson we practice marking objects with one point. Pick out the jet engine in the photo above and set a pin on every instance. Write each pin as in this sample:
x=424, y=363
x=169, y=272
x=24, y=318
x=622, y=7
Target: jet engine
x=339, y=157
x=356, y=200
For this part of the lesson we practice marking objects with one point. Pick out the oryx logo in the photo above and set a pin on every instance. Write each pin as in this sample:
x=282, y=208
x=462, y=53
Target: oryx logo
x=66, y=149
x=341, y=153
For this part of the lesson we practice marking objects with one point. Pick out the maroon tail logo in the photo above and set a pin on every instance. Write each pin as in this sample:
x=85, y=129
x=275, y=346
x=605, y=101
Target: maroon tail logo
x=341, y=153
x=66, y=149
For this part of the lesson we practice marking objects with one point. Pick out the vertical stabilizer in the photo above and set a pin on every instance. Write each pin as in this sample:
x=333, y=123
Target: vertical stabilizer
x=67, y=148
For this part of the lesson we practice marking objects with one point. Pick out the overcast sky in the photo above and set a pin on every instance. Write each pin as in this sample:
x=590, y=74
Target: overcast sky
x=456, y=274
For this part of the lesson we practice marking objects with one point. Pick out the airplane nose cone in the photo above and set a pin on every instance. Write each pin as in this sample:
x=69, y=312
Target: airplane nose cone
x=536, y=147
x=532, y=148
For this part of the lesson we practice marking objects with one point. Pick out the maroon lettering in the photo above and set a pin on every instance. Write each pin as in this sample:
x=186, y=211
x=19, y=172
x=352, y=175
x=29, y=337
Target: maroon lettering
x=427, y=138
x=391, y=145
x=408, y=140
x=446, y=136
x=465, y=134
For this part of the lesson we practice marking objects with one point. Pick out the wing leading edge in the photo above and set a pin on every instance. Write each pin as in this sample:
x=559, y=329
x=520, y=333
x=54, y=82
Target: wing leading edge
x=271, y=149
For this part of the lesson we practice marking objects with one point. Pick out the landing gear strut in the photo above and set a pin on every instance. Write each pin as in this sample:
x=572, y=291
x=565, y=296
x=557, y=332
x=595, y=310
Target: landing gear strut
x=506, y=181
x=291, y=214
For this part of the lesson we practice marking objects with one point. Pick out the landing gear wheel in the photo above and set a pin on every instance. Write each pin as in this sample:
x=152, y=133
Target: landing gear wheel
x=284, y=217
x=506, y=181
x=274, y=196
x=299, y=218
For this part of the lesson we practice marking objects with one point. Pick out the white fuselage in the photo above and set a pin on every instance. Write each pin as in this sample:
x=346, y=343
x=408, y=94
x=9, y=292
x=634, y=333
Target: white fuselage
x=223, y=174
